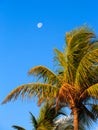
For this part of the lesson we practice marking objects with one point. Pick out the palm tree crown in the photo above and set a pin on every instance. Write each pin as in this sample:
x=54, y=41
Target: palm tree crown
x=75, y=82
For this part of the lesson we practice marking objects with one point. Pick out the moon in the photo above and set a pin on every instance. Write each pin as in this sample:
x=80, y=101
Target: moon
x=39, y=25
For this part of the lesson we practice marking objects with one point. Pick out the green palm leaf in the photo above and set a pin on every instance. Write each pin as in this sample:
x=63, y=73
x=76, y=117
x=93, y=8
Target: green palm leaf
x=41, y=90
x=80, y=36
x=87, y=71
x=44, y=73
x=60, y=58
x=95, y=110
x=78, y=42
x=92, y=91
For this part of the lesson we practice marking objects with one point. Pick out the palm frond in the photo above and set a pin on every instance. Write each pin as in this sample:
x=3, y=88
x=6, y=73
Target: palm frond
x=95, y=110
x=44, y=73
x=78, y=43
x=86, y=116
x=34, y=121
x=46, y=117
x=48, y=112
x=18, y=127
x=60, y=58
x=41, y=90
x=86, y=74
x=92, y=91
x=43, y=113
x=77, y=36
x=45, y=125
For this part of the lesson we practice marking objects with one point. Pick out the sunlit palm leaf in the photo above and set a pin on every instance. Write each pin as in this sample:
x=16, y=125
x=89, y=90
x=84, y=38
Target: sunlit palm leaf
x=77, y=45
x=42, y=91
x=87, y=69
x=60, y=58
x=92, y=91
x=44, y=73
x=78, y=35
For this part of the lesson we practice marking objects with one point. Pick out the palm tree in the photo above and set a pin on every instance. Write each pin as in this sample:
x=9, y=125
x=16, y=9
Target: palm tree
x=75, y=82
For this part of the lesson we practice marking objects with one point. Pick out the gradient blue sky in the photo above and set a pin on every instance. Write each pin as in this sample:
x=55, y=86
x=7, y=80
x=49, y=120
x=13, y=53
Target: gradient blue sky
x=23, y=45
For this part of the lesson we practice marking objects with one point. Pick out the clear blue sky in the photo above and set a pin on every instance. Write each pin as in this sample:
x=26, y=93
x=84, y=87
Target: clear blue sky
x=23, y=45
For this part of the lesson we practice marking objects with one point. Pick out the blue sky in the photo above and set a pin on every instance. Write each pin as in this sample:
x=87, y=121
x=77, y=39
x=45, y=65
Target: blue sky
x=23, y=45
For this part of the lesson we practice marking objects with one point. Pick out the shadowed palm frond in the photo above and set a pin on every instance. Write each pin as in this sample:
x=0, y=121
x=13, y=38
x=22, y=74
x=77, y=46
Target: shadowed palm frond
x=48, y=112
x=42, y=91
x=33, y=121
x=86, y=116
x=18, y=127
x=95, y=110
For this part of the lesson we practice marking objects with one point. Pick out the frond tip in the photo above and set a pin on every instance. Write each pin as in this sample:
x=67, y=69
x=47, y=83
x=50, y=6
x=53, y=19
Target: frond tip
x=18, y=127
x=34, y=121
x=41, y=90
x=44, y=74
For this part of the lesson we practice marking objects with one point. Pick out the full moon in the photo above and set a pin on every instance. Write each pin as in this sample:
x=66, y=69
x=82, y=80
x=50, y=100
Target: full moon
x=39, y=25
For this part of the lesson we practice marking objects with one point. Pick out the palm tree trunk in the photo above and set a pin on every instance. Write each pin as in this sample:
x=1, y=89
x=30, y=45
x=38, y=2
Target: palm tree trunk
x=76, y=120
